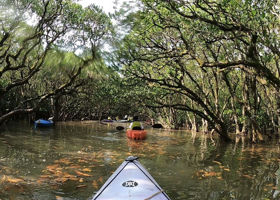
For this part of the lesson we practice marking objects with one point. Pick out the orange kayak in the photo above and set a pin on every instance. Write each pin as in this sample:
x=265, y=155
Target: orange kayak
x=136, y=134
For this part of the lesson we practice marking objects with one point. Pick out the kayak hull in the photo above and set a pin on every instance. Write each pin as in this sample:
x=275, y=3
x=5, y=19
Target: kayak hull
x=131, y=181
x=43, y=123
x=136, y=134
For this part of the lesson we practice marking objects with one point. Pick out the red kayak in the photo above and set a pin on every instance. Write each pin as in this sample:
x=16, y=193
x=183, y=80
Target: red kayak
x=136, y=134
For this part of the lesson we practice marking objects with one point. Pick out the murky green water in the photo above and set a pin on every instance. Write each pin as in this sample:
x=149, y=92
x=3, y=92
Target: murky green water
x=73, y=160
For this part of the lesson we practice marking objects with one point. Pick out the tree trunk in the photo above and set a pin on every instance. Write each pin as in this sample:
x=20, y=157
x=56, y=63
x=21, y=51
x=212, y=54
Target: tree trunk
x=205, y=126
x=193, y=121
x=222, y=130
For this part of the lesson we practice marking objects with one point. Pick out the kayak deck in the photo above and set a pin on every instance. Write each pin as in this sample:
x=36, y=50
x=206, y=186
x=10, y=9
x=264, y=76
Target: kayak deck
x=131, y=181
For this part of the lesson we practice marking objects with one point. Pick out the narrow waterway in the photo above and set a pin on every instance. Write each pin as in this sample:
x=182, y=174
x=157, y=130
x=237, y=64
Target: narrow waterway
x=74, y=159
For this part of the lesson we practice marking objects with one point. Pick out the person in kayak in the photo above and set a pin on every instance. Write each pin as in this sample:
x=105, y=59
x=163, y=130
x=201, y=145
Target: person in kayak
x=136, y=124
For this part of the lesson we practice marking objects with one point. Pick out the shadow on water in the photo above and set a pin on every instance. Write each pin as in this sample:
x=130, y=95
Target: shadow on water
x=73, y=160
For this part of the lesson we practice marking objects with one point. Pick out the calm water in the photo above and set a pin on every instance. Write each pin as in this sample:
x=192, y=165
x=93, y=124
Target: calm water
x=73, y=160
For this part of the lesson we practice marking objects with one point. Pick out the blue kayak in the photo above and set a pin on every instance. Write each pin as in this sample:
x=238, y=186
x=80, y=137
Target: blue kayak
x=43, y=123
x=131, y=181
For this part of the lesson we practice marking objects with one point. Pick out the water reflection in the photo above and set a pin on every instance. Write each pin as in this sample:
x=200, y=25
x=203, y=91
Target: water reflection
x=73, y=160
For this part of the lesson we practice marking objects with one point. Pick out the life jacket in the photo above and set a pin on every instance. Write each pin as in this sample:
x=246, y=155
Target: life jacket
x=136, y=124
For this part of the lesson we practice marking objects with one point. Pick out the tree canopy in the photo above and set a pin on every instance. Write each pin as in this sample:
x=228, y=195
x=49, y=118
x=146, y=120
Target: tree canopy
x=215, y=59
x=208, y=65
x=44, y=47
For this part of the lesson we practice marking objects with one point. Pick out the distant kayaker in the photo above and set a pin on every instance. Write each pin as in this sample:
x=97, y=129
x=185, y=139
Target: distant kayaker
x=136, y=124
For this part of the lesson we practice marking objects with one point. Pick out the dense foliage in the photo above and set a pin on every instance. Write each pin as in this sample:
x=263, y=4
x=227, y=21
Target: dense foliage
x=45, y=49
x=208, y=65
x=216, y=60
